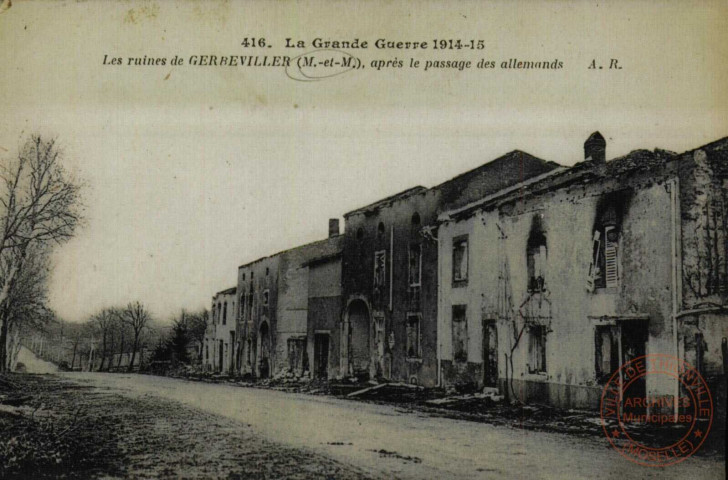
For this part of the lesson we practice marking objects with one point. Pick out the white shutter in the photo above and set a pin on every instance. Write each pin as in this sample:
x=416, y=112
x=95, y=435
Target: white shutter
x=610, y=259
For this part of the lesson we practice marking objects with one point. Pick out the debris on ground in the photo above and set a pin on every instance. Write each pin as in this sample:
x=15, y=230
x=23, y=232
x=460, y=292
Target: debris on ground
x=71, y=431
x=462, y=402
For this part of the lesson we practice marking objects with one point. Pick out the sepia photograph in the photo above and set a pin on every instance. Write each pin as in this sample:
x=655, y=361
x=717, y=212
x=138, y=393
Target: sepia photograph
x=363, y=240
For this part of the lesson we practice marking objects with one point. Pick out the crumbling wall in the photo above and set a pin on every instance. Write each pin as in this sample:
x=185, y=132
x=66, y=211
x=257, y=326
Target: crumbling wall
x=499, y=286
x=703, y=320
x=258, y=279
x=704, y=205
x=217, y=331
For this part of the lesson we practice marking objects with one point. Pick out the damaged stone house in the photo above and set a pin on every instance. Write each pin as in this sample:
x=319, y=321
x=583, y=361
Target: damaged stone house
x=390, y=272
x=274, y=316
x=548, y=286
x=219, y=344
x=325, y=304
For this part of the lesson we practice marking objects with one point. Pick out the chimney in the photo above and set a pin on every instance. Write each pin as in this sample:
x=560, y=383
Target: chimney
x=333, y=227
x=595, y=149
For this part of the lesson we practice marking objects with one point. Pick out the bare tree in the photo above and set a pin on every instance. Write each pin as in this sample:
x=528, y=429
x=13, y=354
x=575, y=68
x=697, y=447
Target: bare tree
x=196, y=327
x=39, y=206
x=137, y=318
x=121, y=335
x=24, y=309
x=104, y=324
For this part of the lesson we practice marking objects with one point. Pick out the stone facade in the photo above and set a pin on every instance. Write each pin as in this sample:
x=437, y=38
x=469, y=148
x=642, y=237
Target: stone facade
x=274, y=293
x=390, y=272
x=257, y=316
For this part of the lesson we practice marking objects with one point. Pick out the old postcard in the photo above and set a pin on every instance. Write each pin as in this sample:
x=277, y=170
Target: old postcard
x=363, y=239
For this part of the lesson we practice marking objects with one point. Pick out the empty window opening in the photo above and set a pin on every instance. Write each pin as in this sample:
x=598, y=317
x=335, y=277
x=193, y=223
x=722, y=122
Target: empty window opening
x=413, y=337
x=297, y=361
x=415, y=265
x=459, y=334
x=460, y=260
x=537, y=349
x=380, y=268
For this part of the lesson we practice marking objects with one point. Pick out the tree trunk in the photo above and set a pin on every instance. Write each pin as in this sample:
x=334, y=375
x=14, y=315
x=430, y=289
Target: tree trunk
x=14, y=350
x=121, y=351
x=103, y=352
x=73, y=358
x=111, y=346
x=4, y=344
x=133, y=354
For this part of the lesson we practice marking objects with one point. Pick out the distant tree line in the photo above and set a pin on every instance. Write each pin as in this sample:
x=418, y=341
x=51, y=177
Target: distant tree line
x=120, y=339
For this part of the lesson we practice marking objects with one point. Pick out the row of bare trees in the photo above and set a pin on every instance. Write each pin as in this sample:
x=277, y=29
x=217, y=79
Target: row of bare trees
x=40, y=207
x=122, y=338
x=119, y=326
x=112, y=338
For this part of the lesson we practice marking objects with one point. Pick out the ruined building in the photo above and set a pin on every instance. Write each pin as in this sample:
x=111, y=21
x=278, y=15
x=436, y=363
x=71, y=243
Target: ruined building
x=522, y=275
x=549, y=286
x=219, y=345
x=390, y=272
x=273, y=317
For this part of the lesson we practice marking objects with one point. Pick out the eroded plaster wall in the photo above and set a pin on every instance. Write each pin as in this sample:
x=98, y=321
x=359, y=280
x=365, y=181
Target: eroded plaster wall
x=497, y=287
x=703, y=319
x=217, y=331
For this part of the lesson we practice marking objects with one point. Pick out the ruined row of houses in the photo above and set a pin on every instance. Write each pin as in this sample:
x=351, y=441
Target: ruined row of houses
x=523, y=275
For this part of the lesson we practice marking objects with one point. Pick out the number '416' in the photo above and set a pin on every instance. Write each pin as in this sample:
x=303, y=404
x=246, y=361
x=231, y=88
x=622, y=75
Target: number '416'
x=253, y=42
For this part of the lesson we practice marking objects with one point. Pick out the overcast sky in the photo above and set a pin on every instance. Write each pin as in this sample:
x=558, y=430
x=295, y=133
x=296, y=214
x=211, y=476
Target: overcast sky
x=193, y=171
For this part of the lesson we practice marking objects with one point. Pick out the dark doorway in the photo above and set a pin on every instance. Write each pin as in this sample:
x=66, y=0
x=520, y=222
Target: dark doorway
x=360, y=354
x=633, y=336
x=264, y=361
x=231, y=367
x=220, y=355
x=321, y=355
x=490, y=354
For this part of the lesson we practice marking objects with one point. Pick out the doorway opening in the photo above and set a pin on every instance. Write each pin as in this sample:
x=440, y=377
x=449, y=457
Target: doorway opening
x=490, y=353
x=321, y=355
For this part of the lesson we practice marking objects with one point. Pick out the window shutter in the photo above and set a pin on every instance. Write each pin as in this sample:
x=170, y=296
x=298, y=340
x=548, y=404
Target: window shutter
x=594, y=266
x=610, y=260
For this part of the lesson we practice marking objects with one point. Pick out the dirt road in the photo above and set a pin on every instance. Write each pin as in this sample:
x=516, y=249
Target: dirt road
x=388, y=442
